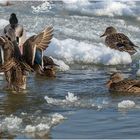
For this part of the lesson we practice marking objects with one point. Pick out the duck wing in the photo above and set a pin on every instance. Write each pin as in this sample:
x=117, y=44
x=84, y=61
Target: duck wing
x=43, y=39
x=37, y=42
x=29, y=51
x=15, y=63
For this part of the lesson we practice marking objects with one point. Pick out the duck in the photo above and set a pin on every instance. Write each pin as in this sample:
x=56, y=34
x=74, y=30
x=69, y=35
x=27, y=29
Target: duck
x=48, y=69
x=118, y=41
x=118, y=84
x=19, y=31
x=33, y=50
x=13, y=68
x=46, y=72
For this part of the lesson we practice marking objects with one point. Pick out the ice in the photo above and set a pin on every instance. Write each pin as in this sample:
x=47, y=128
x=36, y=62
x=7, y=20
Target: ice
x=56, y=118
x=39, y=125
x=74, y=101
x=126, y=104
x=11, y=123
x=44, y=7
x=71, y=98
x=30, y=129
x=61, y=65
x=73, y=51
x=103, y=8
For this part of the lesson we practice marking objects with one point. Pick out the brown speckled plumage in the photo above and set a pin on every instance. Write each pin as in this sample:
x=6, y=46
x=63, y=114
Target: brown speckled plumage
x=118, y=41
x=14, y=69
x=118, y=84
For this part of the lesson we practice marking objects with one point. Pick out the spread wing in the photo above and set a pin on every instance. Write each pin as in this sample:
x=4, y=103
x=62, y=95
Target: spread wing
x=43, y=39
x=37, y=42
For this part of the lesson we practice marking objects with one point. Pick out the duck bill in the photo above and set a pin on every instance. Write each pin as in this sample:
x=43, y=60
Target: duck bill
x=108, y=83
x=2, y=55
x=103, y=35
x=34, y=52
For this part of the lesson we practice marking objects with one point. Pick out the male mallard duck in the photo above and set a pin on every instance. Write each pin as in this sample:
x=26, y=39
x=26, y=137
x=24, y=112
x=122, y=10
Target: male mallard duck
x=33, y=50
x=19, y=31
x=118, y=41
x=119, y=84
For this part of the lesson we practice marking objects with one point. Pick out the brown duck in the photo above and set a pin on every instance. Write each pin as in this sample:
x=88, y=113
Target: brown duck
x=118, y=84
x=39, y=43
x=13, y=68
x=48, y=69
x=118, y=41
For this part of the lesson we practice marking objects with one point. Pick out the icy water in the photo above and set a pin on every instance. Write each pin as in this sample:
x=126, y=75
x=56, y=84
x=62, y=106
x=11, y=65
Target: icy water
x=76, y=104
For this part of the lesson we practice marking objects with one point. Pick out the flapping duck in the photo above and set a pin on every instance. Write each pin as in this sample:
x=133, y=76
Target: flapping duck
x=118, y=41
x=118, y=84
x=33, y=50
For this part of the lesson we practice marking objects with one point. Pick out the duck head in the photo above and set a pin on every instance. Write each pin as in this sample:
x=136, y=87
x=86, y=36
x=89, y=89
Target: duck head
x=49, y=71
x=109, y=30
x=13, y=20
x=114, y=78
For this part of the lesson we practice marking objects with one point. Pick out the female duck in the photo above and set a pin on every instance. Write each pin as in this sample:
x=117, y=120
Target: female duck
x=118, y=41
x=119, y=84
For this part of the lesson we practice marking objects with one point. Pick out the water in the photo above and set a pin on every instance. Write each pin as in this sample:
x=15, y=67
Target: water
x=76, y=104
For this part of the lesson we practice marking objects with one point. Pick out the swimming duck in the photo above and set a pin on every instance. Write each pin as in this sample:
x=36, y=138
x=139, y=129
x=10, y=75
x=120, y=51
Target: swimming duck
x=118, y=41
x=119, y=84
x=48, y=72
x=48, y=69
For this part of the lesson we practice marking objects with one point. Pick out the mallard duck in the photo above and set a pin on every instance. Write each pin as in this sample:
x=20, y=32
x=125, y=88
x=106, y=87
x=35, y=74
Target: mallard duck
x=19, y=32
x=48, y=69
x=14, y=69
x=48, y=72
x=118, y=41
x=33, y=50
x=119, y=84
